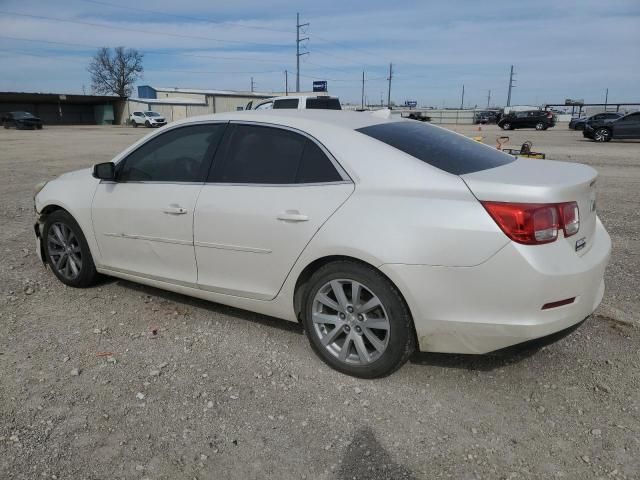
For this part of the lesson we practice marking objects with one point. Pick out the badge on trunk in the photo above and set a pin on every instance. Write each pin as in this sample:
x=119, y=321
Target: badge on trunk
x=580, y=244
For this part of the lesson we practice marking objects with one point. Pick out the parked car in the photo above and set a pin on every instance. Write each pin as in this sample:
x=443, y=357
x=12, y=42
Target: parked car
x=380, y=235
x=626, y=127
x=538, y=119
x=298, y=102
x=578, y=123
x=148, y=119
x=20, y=120
x=485, y=117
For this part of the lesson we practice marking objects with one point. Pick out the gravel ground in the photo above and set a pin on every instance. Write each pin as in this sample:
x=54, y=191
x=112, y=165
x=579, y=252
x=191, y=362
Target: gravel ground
x=125, y=381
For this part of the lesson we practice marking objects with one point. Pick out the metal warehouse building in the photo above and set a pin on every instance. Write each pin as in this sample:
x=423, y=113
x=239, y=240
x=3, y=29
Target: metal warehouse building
x=176, y=103
x=65, y=109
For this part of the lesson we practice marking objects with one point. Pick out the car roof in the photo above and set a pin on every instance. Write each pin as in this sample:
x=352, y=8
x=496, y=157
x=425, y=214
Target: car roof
x=350, y=120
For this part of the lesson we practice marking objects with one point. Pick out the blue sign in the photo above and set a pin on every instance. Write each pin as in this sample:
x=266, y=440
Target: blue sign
x=320, y=86
x=411, y=103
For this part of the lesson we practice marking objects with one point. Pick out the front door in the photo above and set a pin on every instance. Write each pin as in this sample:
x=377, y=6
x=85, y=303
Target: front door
x=269, y=191
x=143, y=222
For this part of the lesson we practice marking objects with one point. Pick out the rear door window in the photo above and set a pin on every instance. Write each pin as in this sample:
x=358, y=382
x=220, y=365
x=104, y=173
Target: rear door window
x=286, y=103
x=324, y=103
x=255, y=154
x=438, y=147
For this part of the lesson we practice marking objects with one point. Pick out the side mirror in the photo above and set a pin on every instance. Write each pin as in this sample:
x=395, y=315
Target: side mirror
x=104, y=171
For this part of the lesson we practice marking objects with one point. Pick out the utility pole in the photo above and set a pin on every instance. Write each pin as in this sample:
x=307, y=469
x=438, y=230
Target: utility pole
x=298, y=54
x=606, y=99
x=511, y=85
x=252, y=84
x=362, y=101
x=462, y=101
x=286, y=83
x=389, y=91
x=489, y=99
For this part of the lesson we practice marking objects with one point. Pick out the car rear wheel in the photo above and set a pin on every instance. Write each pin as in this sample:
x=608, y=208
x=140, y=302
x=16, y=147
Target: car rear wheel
x=506, y=126
x=67, y=251
x=356, y=320
x=602, y=135
x=540, y=126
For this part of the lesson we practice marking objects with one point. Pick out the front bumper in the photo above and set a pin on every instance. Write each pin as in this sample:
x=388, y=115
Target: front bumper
x=499, y=303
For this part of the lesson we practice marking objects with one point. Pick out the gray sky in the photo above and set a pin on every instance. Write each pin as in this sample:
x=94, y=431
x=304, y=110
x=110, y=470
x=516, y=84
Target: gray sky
x=560, y=49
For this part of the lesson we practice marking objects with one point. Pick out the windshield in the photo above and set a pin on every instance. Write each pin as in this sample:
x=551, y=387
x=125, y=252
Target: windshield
x=438, y=147
x=152, y=114
x=22, y=115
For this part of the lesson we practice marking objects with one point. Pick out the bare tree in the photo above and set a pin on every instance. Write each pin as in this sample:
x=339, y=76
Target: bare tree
x=115, y=72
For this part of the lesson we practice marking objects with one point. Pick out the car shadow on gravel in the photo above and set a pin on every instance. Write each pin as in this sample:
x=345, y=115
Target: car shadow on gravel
x=366, y=458
x=213, y=307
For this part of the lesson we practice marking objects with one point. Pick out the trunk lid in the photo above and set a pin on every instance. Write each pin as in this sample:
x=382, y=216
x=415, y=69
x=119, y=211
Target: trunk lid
x=542, y=181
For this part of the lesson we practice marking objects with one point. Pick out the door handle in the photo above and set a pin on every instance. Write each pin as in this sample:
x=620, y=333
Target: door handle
x=175, y=210
x=292, y=216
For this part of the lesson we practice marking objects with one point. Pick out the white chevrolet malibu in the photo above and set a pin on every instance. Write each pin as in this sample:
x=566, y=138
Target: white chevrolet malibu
x=379, y=235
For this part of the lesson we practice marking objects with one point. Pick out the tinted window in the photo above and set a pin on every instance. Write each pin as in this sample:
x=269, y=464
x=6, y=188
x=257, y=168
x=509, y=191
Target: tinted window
x=438, y=147
x=315, y=167
x=265, y=155
x=325, y=103
x=286, y=103
x=179, y=155
x=252, y=154
x=632, y=117
x=265, y=106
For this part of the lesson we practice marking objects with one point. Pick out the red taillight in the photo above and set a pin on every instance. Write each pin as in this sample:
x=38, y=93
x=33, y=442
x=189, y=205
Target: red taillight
x=534, y=223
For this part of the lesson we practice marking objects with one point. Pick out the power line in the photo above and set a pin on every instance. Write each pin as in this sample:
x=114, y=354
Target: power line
x=87, y=47
x=138, y=30
x=186, y=17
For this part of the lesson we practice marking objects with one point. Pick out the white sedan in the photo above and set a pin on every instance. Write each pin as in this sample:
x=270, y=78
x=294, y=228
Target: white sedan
x=379, y=235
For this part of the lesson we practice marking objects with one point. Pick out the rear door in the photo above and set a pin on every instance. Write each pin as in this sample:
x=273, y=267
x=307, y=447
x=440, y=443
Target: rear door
x=269, y=191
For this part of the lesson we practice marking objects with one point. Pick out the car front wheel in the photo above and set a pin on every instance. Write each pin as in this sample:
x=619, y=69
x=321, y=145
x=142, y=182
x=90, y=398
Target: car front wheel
x=540, y=126
x=357, y=321
x=506, y=126
x=602, y=135
x=67, y=251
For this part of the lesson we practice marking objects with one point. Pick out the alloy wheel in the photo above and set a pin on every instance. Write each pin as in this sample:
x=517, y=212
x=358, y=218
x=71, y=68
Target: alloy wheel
x=350, y=321
x=64, y=250
x=601, y=135
x=540, y=126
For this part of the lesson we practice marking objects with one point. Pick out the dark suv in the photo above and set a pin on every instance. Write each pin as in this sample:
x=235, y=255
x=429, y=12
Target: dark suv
x=21, y=120
x=627, y=127
x=538, y=119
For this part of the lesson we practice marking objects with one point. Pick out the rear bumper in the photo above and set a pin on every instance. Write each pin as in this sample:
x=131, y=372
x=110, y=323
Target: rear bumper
x=499, y=302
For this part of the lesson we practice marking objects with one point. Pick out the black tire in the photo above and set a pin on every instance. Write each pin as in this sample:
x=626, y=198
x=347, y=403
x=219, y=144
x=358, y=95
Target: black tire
x=401, y=341
x=506, y=126
x=602, y=135
x=39, y=127
x=135, y=124
x=5, y=125
x=147, y=124
x=87, y=274
x=541, y=126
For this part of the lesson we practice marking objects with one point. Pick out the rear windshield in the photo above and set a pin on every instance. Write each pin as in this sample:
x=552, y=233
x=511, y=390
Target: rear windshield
x=438, y=147
x=324, y=103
